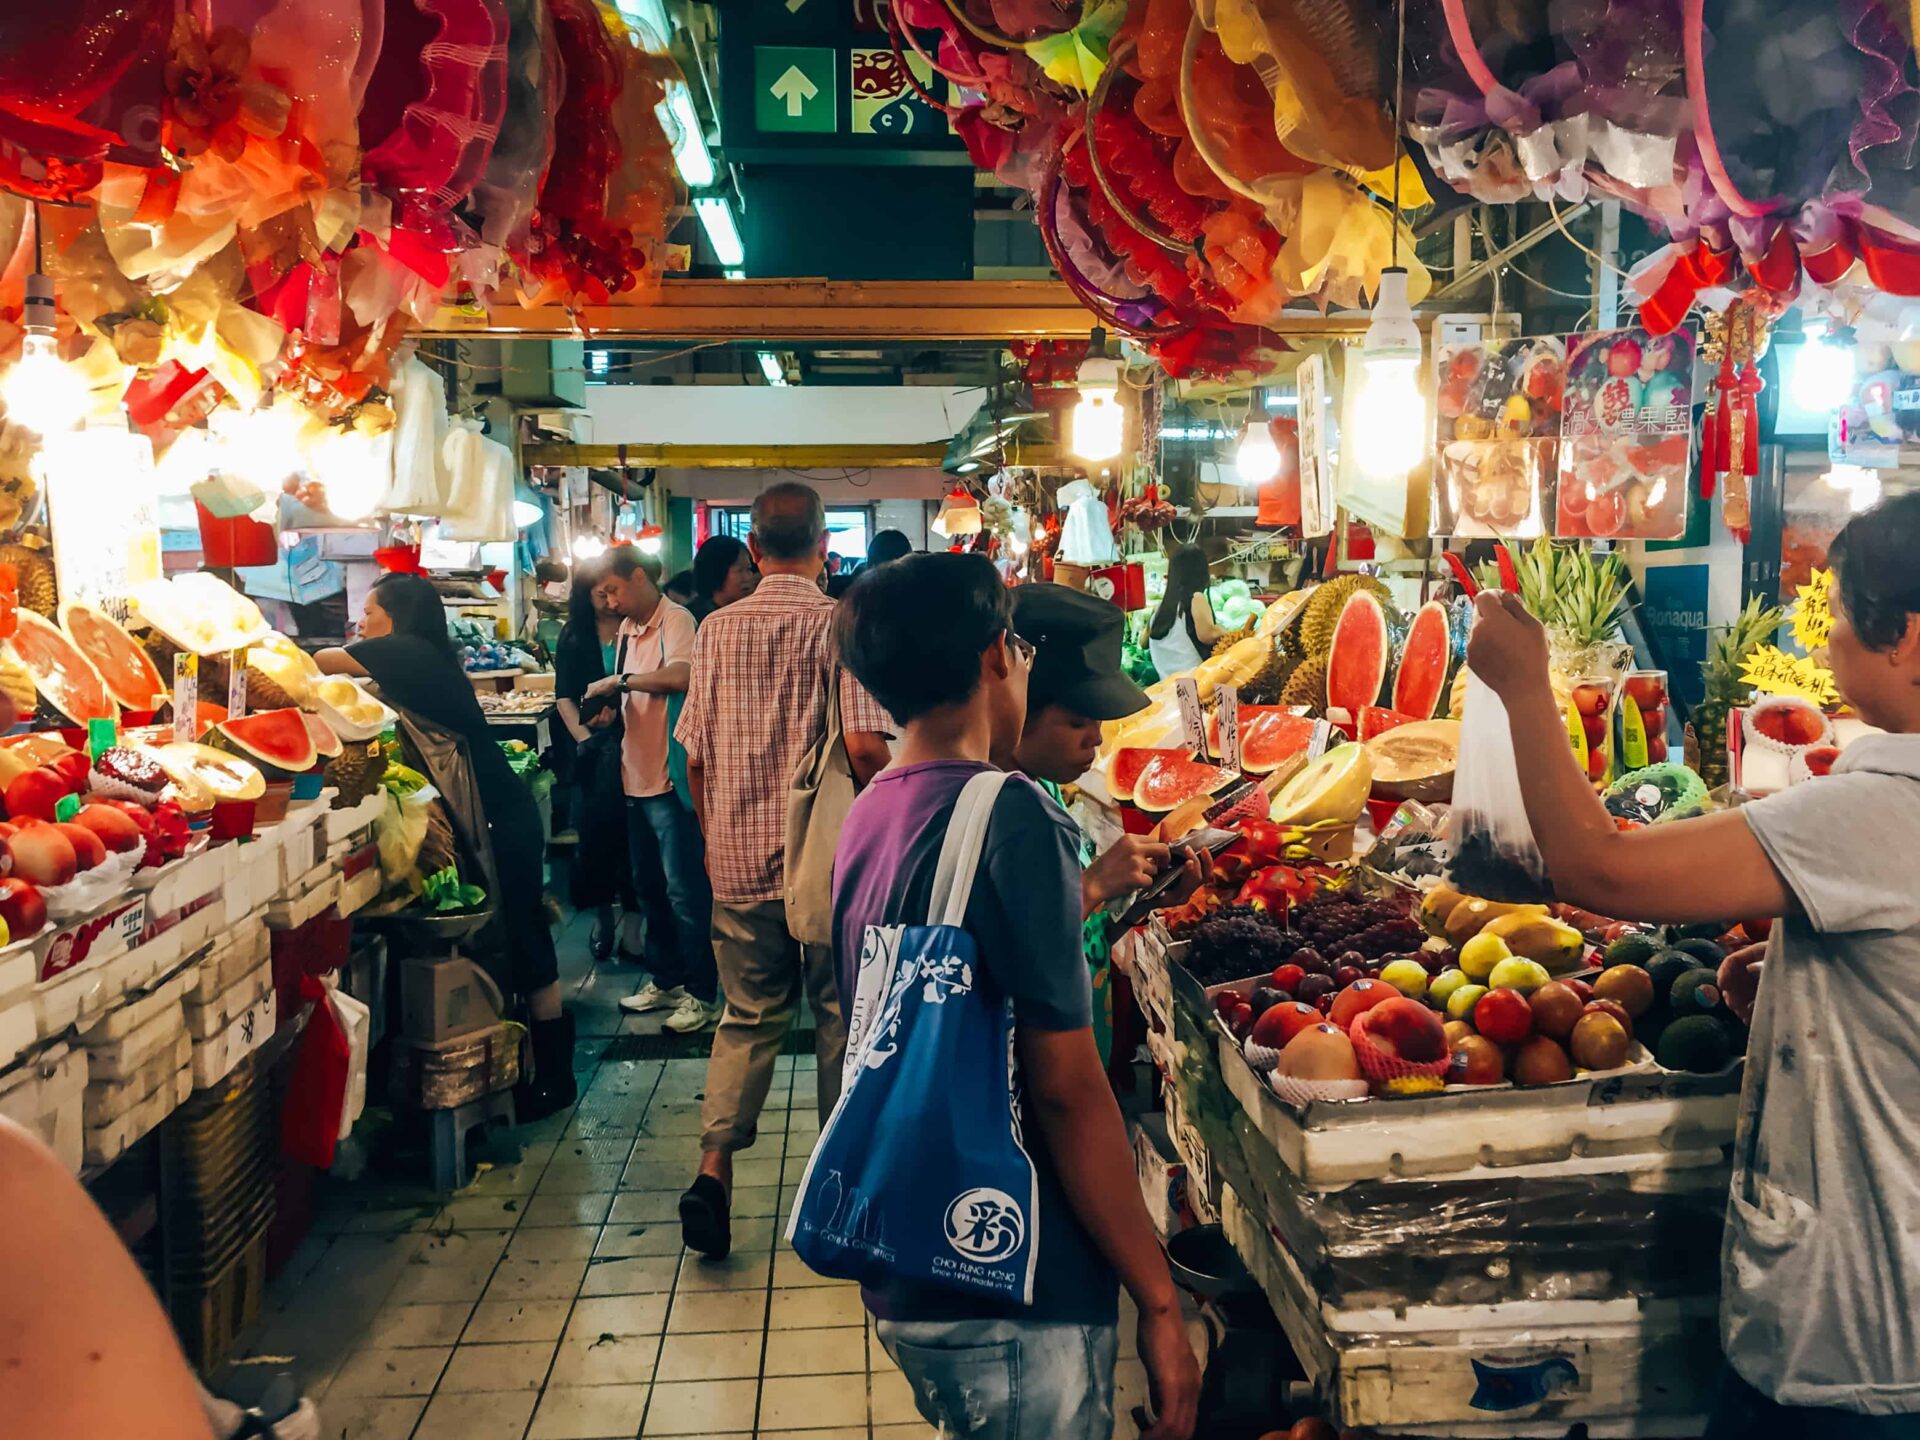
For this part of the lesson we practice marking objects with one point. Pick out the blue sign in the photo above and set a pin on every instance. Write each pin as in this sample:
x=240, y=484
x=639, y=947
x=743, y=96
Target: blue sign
x=1675, y=617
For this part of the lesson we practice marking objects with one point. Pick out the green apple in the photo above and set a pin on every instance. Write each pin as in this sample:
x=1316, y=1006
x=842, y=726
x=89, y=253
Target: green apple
x=1514, y=973
x=1461, y=1002
x=1409, y=977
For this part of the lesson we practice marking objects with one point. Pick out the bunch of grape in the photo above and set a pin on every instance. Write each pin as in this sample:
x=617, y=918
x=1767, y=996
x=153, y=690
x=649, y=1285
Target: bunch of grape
x=1335, y=923
x=1236, y=942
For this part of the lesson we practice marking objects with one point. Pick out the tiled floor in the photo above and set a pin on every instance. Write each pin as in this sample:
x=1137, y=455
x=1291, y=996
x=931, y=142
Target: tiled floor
x=551, y=1299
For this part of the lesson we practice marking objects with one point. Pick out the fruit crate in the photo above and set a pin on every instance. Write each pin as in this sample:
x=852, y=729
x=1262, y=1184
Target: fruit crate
x=1626, y=1368
x=218, y=1153
x=450, y=1073
x=209, y=1317
x=1588, y=1124
x=44, y=1095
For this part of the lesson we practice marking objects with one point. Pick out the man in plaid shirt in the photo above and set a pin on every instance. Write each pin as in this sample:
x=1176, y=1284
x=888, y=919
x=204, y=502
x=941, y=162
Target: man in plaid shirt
x=756, y=704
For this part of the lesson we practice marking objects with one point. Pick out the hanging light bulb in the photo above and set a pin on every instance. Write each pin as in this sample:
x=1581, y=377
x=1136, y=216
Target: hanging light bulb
x=959, y=515
x=588, y=547
x=652, y=540
x=1099, y=421
x=260, y=447
x=1389, y=412
x=1823, y=370
x=1258, y=459
x=42, y=392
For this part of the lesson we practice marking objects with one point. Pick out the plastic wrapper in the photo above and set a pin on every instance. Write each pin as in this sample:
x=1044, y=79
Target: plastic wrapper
x=1494, y=853
x=1486, y=1241
x=1627, y=436
x=91, y=889
x=502, y=201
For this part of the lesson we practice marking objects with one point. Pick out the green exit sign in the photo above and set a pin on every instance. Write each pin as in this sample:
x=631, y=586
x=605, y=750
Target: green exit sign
x=793, y=90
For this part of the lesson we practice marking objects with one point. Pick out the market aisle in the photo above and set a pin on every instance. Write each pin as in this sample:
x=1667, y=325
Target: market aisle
x=551, y=1300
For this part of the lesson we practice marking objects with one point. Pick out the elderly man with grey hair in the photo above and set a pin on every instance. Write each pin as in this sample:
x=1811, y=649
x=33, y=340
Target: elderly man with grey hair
x=756, y=706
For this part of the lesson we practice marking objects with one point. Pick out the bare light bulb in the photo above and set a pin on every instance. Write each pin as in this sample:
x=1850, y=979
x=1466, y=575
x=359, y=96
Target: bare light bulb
x=588, y=547
x=42, y=392
x=1822, y=373
x=1099, y=420
x=1389, y=412
x=1258, y=459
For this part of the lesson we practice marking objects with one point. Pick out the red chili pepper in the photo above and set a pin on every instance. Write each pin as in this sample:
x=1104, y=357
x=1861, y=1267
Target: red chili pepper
x=1468, y=585
x=1509, y=577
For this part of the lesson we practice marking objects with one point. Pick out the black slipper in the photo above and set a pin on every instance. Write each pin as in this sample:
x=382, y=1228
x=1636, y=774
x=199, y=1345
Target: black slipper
x=703, y=1218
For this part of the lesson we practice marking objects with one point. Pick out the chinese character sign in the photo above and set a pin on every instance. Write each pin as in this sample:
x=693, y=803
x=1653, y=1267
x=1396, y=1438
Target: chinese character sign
x=1626, y=436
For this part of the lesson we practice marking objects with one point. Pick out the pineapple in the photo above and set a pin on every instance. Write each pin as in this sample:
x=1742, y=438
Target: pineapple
x=1727, y=653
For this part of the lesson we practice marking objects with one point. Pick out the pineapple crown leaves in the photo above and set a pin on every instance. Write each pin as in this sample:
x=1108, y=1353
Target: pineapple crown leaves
x=1733, y=645
x=1568, y=590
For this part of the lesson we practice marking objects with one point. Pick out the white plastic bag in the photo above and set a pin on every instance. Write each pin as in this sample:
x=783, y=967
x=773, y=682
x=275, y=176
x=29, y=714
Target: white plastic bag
x=1495, y=856
x=401, y=830
x=356, y=1019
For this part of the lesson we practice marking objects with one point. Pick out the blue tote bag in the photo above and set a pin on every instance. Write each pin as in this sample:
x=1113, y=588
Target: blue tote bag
x=920, y=1174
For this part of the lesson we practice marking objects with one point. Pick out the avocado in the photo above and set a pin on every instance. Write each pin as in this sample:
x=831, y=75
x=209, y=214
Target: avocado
x=1698, y=930
x=1695, y=993
x=1705, y=951
x=1632, y=950
x=1698, y=1043
x=1668, y=966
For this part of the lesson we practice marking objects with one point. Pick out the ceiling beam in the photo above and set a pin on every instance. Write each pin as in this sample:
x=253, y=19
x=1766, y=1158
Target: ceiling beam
x=776, y=311
x=741, y=457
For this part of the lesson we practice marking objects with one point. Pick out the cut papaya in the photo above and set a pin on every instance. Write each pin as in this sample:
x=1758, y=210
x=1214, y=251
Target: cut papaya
x=1171, y=779
x=1124, y=770
x=129, y=672
x=1422, y=677
x=1357, y=664
x=277, y=741
x=64, y=676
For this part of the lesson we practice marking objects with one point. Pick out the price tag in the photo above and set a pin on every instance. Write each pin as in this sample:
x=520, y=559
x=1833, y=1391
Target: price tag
x=131, y=923
x=237, y=683
x=186, y=696
x=1193, y=719
x=1228, y=712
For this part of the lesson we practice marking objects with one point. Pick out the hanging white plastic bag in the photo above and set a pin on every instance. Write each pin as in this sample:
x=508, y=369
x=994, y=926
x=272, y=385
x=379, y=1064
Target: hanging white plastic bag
x=357, y=1020
x=1495, y=856
x=401, y=830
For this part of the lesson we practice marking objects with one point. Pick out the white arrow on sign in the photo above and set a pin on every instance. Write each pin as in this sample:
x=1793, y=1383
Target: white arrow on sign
x=795, y=88
x=794, y=7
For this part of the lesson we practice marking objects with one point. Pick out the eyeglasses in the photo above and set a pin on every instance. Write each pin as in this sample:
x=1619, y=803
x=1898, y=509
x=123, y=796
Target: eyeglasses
x=1022, y=648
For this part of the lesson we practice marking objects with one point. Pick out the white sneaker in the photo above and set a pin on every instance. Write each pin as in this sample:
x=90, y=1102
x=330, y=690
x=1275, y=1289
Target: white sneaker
x=693, y=1015
x=651, y=997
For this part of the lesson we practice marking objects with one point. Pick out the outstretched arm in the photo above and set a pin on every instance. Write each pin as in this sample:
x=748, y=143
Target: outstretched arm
x=1711, y=868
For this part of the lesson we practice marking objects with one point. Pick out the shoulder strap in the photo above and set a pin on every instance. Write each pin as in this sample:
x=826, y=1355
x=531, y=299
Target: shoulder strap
x=960, y=851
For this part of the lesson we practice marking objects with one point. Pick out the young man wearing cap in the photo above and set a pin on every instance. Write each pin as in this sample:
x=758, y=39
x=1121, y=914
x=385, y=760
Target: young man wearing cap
x=1076, y=684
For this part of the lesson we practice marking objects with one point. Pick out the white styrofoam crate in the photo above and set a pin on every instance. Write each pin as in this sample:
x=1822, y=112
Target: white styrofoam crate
x=1643, y=1369
x=214, y=1059
x=302, y=843
x=108, y=1099
x=73, y=997
x=135, y=1011
x=179, y=883
x=360, y=891
x=136, y=968
x=253, y=872
x=320, y=890
x=238, y=952
x=206, y=1019
x=107, y=1143
x=349, y=822
x=43, y=1094
x=1335, y=1143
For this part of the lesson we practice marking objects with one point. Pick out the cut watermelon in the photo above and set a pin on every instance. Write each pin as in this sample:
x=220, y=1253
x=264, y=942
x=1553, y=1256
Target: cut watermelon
x=125, y=666
x=1123, y=771
x=277, y=741
x=326, y=744
x=1357, y=664
x=1376, y=720
x=1422, y=677
x=1172, y=778
x=64, y=676
x=1271, y=736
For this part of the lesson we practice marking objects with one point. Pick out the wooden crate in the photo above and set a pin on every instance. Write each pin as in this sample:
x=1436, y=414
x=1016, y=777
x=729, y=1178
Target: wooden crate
x=449, y=1073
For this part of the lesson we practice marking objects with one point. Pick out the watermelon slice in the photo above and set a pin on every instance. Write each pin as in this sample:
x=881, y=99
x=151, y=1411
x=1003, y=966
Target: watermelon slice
x=277, y=741
x=1422, y=677
x=1172, y=778
x=1376, y=720
x=326, y=744
x=123, y=663
x=64, y=676
x=1124, y=769
x=1270, y=736
x=1357, y=664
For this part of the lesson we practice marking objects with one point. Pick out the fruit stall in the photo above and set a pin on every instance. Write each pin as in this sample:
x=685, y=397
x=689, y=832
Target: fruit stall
x=1475, y=1154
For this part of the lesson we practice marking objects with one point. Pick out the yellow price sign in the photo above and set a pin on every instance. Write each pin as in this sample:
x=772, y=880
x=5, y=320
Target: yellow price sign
x=1772, y=671
x=1813, y=616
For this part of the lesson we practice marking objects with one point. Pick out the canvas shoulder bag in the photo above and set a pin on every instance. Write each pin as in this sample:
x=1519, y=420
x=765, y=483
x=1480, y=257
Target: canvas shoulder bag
x=818, y=798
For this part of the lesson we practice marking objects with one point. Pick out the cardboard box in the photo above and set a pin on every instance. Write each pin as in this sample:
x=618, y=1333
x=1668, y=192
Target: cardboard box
x=442, y=998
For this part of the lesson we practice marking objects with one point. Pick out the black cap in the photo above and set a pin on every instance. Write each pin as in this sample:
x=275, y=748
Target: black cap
x=1076, y=640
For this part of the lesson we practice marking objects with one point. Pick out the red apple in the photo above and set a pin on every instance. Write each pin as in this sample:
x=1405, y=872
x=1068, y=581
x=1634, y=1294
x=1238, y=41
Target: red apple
x=1590, y=699
x=1407, y=1028
x=1596, y=728
x=1609, y=1007
x=1757, y=930
x=1580, y=988
x=1656, y=748
x=43, y=855
x=22, y=908
x=1504, y=1016
x=1596, y=765
x=1288, y=977
x=71, y=767
x=33, y=794
x=1358, y=998
x=1654, y=719
x=1649, y=691
x=1476, y=1061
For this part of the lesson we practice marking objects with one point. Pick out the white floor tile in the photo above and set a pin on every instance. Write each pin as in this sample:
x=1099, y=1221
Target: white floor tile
x=812, y=1309
x=370, y=1417
x=375, y=1373
x=498, y=1321
x=631, y=1277
x=701, y=1407
x=726, y=1355
x=606, y=1360
x=725, y=1310
x=841, y=1351
x=618, y=1315
x=553, y=1242
x=476, y=1416
x=418, y=1325
x=789, y=1402
x=520, y=1365
x=589, y=1413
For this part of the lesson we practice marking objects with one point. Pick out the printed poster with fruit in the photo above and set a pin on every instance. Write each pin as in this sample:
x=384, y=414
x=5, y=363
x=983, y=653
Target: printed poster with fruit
x=1626, y=436
x=1499, y=433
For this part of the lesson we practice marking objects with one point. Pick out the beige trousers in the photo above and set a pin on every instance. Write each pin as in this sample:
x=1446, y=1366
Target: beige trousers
x=762, y=972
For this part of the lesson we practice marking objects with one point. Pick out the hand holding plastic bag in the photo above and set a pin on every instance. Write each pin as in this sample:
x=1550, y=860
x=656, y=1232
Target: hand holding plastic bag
x=1494, y=853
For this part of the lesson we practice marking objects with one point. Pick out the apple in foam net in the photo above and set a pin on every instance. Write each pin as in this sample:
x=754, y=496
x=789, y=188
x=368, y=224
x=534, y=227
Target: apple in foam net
x=1408, y=1029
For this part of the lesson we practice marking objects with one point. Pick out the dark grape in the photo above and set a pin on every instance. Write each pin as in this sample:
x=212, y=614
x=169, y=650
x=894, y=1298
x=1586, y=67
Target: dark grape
x=1315, y=986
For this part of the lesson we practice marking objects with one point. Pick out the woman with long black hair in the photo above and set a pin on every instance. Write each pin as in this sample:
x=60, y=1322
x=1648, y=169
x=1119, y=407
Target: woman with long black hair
x=1183, y=632
x=722, y=573
x=405, y=649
